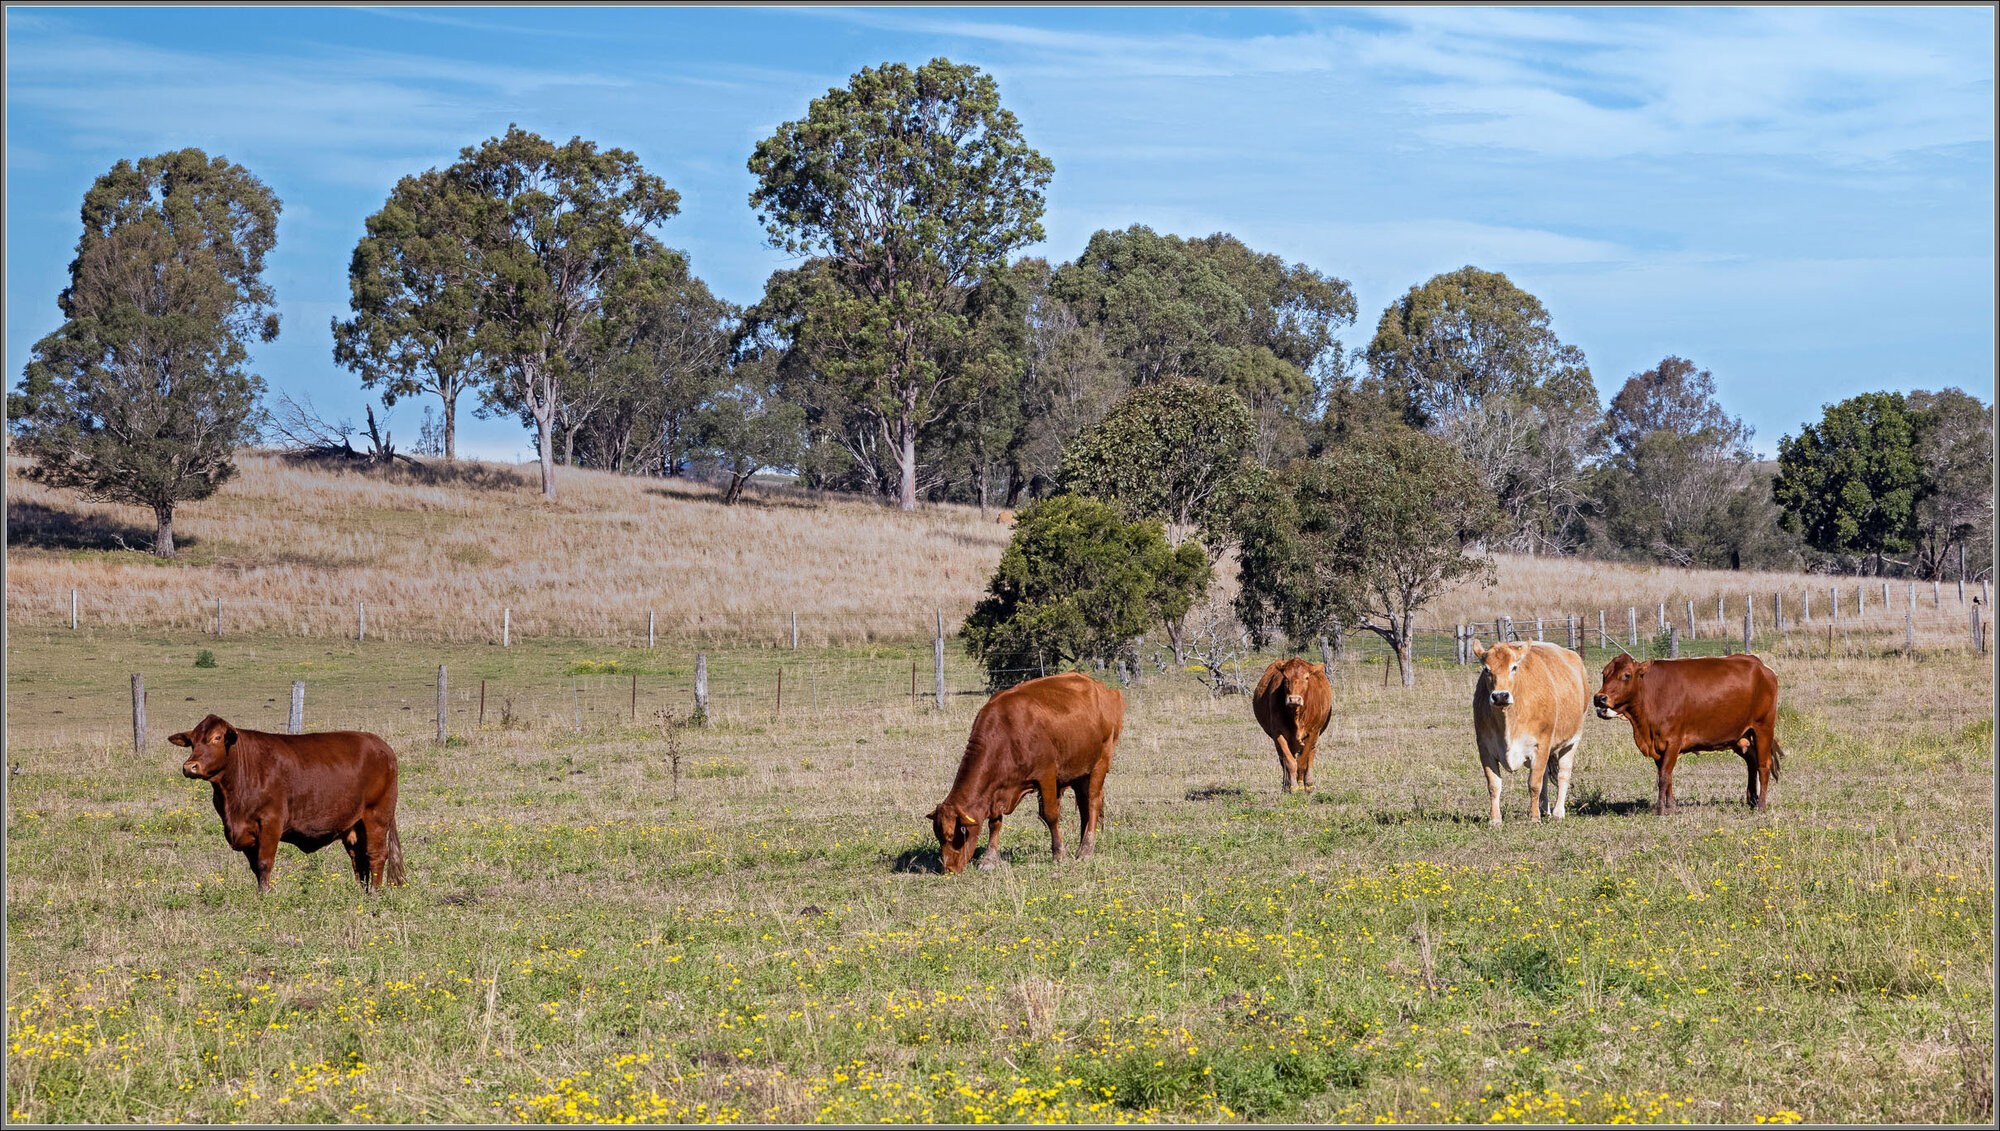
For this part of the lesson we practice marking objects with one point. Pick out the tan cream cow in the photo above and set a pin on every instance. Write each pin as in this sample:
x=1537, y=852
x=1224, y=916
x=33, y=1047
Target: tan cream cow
x=1528, y=710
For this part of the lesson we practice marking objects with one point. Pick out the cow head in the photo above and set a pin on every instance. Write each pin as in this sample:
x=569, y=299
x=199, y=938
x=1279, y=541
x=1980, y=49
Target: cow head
x=1503, y=664
x=209, y=744
x=957, y=835
x=1621, y=683
x=1294, y=678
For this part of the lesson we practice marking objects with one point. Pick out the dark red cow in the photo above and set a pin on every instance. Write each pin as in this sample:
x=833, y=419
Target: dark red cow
x=1044, y=736
x=1679, y=706
x=307, y=790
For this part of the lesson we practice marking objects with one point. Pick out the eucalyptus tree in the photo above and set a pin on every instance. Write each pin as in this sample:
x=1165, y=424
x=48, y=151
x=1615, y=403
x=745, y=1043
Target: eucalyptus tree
x=551, y=226
x=415, y=295
x=142, y=395
x=1469, y=356
x=910, y=185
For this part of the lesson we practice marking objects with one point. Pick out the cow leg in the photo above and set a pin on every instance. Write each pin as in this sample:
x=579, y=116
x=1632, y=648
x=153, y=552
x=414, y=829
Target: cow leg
x=1494, y=783
x=1663, y=804
x=1311, y=744
x=1288, y=766
x=1564, y=765
x=1765, y=754
x=357, y=852
x=991, y=856
x=1051, y=795
x=1090, y=808
x=266, y=851
x=378, y=842
x=1538, y=768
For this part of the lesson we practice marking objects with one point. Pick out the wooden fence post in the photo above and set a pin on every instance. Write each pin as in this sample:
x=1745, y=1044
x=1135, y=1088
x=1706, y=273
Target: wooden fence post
x=1673, y=643
x=1503, y=627
x=1603, y=641
x=506, y=626
x=937, y=654
x=795, y=631
x=1910, y=629
x=1961, y=577
x=1978, y=641
x=701, y=687
x=1632, y=625
x=441, y=705
x=138, y=713
x=1860, y=602
x=1885, y=596
x=1721, y=619
x=1538, y=628
x=360, y=621
x=1339, y=645
x=649, y=628
x=218, y=618
x=72, y=610
x=1937, y=594
x=1749, y=605
x=1690, y=620
x=1325, y=655
x=1571, y=632
x=1833, y=599
x=296, y=723
x=1805, y=605
x=1778, y=611
x=1663, y=616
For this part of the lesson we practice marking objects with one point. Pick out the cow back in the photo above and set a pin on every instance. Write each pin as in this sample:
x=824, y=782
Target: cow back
x=323, y=781
x=1551, y=696
x=1705, y=703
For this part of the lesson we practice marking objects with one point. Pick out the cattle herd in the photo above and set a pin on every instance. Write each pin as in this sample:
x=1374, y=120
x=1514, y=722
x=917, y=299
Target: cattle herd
x=1059, y=732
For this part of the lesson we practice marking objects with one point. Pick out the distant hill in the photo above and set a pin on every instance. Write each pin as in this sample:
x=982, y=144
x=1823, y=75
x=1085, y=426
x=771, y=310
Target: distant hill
x=439, y=552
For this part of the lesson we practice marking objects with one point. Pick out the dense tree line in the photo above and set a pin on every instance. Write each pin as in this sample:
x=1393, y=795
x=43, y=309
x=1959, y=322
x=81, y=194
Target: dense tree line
x=912, y=353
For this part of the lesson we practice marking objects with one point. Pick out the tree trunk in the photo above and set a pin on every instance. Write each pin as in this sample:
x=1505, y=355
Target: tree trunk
x=1405, y=663
x=450, y=427
x=1015, y=482
x=737, y=477
x=906, y=456
x=547, y=444
x=163, y=537
x=569, y=445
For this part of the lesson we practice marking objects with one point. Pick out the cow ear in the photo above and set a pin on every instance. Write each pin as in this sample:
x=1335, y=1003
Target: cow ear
x=228, y=736
x=180, y=739
x=1478, y=650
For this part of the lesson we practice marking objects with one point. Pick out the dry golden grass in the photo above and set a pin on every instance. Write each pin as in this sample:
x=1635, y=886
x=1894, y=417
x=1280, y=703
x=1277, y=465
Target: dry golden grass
x=292, y=550
x=438, y=554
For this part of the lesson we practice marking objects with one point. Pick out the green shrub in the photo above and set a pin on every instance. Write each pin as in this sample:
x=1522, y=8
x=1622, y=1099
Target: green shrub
x=204, y=659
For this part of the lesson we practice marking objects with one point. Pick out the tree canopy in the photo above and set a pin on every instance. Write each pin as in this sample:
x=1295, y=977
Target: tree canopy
x=1165, y=451
x=142, y=395
x=1471, y=357
x=910, y=186
x=1852, y=482
x=1364, y=536
x=1076, y=583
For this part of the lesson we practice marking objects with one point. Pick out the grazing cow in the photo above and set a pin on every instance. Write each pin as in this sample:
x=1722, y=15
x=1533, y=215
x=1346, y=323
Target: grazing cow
x=1679, y=706
x=1527, y=710
x=307, y=790
x=1045, y=735
x=1006, y=518
x=1293, y=704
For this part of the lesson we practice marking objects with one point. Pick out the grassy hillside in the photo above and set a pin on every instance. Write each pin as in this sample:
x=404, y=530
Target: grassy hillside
x=437, y=554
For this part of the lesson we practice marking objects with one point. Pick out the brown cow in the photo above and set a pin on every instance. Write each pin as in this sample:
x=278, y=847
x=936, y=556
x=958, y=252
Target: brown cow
x=1527, y=711
x=1293, y=704
x=307, y=790
x=1045, y=735
x=1679, y=706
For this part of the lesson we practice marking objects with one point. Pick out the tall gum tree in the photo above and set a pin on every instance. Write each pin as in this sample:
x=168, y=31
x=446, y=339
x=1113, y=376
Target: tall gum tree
x=910, y=184
x=141, y=396
x=550, y=228
x=415, y=299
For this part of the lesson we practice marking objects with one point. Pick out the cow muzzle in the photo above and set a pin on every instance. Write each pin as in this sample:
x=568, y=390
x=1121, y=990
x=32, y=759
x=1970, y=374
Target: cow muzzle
x=1604, y=712
x=1295, y=700
x=191, y=768
x=1501, y=698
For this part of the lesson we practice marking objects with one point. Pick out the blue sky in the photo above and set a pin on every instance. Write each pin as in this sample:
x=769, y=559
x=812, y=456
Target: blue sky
x=1799, y=199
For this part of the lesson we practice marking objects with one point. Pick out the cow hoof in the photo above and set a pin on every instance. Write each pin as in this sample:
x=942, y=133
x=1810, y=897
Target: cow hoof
x=1493, y=822
x=987, y=864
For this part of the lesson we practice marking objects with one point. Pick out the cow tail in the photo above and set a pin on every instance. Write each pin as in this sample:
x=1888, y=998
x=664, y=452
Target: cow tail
x=392, y=868
x=1777, y=759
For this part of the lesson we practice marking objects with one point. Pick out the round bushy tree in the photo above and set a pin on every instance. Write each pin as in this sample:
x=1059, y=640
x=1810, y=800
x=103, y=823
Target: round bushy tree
x=1076, y=583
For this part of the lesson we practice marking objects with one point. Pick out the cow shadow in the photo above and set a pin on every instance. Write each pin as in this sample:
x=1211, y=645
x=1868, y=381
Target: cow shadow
x=1392, y=817
x=1218, y=793
x=39, y=526
x=918, y=862
x=1593, y=803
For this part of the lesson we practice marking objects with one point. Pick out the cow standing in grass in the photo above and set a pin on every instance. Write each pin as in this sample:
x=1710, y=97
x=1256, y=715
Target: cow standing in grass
x=1042, y=736
x=1293, y=703
x=305, y=790
x=1527, y=711
x=1680, y=706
